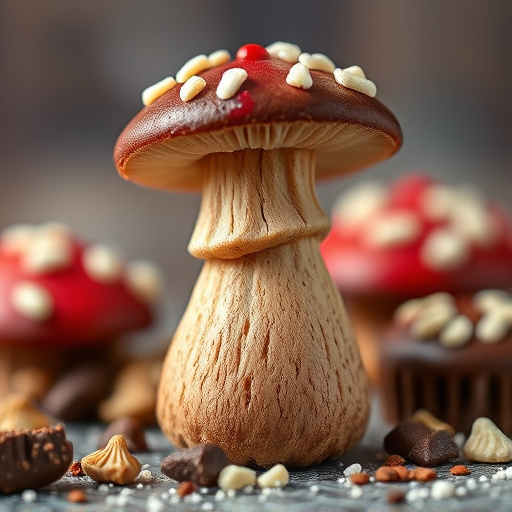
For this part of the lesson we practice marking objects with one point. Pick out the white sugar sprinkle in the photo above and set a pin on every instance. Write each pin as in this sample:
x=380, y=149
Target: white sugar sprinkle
x=356, y=492
x=28, y=496
x=352, y=469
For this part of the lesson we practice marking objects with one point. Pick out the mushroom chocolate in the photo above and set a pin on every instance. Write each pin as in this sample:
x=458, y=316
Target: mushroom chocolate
x=264, y=362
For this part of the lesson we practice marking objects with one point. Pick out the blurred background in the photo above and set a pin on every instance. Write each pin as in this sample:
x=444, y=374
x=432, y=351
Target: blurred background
x=72, y=74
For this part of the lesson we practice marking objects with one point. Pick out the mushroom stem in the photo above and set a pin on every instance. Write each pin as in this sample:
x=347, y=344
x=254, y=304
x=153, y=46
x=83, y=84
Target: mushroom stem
x=264, y=362
x=256, y=199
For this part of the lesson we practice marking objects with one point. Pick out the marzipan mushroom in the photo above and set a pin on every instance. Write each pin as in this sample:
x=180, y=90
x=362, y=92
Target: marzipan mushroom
x=264, y=362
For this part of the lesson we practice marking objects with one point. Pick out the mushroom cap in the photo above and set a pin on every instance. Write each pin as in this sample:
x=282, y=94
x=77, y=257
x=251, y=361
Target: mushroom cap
x=58, y=291
x=417, y=236
x=163, y=145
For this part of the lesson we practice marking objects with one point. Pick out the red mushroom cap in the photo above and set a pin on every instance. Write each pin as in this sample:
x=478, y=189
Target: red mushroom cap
x=416, y=237
x=57, y=291
x=163, y=145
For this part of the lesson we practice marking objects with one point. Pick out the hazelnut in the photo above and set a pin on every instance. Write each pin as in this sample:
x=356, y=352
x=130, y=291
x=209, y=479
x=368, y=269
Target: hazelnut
x=114, y=463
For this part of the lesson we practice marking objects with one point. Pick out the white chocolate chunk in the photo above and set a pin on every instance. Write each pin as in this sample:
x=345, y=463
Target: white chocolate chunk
x=444, y=250
x=192, y=87
x=192, y=67
x=355, y=82
x=486, y=300
x=32, y=301
x=144, y=279
x=102, y=264
x=317, y=61
x=457, y=333
x=230, y=83
x=392, y=229
x=299, y=76
x=492, y=327
x=16, y=238
x=487, y=443
x=236, y=477
x=288, y=52
x=153, y=92
x=277, y=476
x=219, y=57
x=360, y=202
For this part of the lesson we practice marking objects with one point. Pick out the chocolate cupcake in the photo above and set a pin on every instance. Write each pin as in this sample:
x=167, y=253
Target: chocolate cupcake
x=410, y=238
x=451, y=356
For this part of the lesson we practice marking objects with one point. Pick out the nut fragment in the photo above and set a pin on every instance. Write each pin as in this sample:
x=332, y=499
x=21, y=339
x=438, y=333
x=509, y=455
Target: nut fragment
x=492, y=327
x=487, y=443
x=102, y=263
x=299, y=76
x=192, y=67
x=77, y=496
x=423, y=474
x=230, y=83
x=354, y=81
x=317, y=61
x=288, y=52
x=236, y=477
x=360, y=478
x=76, y=469
x=386, y=474
x=186, y=488
x=114, y=463
x=153, y=92
x=277, y=476
x=460, y=470
x=427, y=418
x=392, y=229
x=394, y=460
x=444, y=250
x=219, y=57
x=192, y=87
x=20, y=413
x=457, y=332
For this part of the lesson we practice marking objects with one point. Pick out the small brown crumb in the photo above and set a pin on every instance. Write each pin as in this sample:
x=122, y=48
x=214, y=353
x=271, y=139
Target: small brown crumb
x=403, y=473
x=396, y=496
x=386, y=474
x=360, y=478
x=77, y=496
x=394, y=460
x=76, y=469
x=460, y=470
x=423, y=474
x=185, y=488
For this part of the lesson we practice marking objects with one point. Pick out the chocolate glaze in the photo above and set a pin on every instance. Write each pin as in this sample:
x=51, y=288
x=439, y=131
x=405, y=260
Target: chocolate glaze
x=264, y=98
x=33, y=458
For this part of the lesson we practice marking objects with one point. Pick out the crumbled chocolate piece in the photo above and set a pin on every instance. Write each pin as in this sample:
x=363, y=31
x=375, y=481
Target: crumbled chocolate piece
x=33, y=458
x=200, y=465
x=133, y=431
x=421, y=444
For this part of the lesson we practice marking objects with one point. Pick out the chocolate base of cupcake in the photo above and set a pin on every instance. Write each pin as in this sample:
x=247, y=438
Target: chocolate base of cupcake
x=456, y=385
x=33, y=458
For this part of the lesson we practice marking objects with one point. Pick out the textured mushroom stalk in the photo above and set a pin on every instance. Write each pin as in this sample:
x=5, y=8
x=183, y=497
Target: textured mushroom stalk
x=264, y=362
x=254, y=200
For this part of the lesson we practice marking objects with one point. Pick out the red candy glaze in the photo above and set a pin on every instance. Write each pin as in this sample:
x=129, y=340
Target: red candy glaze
x=245, y=108
x=252, y=52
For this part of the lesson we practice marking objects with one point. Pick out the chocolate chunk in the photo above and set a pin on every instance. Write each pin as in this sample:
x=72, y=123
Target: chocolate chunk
x=421, y=444
x=201, y=464
x=132, y=430
x=33, y=458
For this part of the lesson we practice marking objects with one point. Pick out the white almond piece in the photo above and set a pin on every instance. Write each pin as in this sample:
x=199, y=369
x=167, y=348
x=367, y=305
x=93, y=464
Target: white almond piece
x=288, y=52
x=457, y=333
x=144, y=279
x=444, y=250
x=236, y=477
x=153, y=92
x=277, y=476
x=492, y=327
x=192, y=67
x=32, y=301
x=353, y=81
x=219, y=57
x=192, y=87
x=360, y=203
x=431, y=320
x=299, y=76
x=472, y=220
x=487, y=443
x=438, y=297
x=102, y=264
x=392, y=229
x=317, y=61
x=230, y=83
x=407, y=312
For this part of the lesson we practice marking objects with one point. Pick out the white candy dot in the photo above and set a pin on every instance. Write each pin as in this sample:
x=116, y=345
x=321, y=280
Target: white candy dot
x=32, y=301
x=102, y=264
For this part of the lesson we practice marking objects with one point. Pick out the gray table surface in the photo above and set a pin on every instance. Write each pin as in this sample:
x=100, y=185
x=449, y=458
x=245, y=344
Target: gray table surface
x=314, y=489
